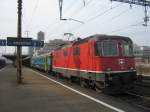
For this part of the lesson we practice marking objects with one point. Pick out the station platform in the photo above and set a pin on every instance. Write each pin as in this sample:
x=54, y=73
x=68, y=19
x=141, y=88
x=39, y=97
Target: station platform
x=38, y=94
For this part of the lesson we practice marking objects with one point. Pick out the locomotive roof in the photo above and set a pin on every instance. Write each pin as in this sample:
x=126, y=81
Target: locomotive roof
x=96, y=37
x=99, y=37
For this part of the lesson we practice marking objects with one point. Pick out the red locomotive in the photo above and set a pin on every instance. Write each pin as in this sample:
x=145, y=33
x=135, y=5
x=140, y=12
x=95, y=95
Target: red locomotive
x=100, y=61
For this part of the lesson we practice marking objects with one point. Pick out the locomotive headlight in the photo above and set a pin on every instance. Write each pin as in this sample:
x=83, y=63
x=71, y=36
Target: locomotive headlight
x=131, y=68
x=109, y=69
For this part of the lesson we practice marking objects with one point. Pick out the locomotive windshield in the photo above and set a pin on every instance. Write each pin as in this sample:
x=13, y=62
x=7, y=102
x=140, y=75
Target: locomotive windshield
x=109, y=48
x=106, y=48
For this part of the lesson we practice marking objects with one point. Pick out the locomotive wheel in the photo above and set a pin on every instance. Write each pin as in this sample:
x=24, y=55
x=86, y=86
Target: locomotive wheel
x=83, y=83
x=68, y=80
x=98, y=87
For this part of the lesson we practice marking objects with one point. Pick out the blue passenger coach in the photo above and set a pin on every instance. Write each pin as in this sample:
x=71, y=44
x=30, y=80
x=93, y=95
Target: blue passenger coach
x=42, y=62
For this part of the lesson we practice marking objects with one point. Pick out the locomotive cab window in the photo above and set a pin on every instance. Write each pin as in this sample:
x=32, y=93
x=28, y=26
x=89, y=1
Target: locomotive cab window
x=76, y=51
x=98, y=49
x=106, y=48
x=127, y=48
x=109, y=48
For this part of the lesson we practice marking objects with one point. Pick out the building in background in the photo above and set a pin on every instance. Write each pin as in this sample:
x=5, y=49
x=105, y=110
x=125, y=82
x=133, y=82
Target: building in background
x=52, y=45
x=41, y=36
x=142, y=53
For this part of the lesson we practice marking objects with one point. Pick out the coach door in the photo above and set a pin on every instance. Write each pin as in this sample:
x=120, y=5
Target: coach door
x=46, y=63
x=50, y=62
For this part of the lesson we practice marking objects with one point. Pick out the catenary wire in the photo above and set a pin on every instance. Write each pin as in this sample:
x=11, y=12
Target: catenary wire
x=33, y=14
x=126, y=27
x=97, y=16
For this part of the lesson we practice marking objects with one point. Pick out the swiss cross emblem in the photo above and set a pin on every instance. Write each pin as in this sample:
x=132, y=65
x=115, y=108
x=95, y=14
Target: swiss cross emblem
x=121, y=61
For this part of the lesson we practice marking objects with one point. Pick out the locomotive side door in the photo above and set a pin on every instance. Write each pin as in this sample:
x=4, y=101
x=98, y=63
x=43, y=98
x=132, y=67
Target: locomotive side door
x=90, y=64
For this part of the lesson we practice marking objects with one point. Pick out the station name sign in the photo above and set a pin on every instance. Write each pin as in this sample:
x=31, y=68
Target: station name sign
x=13, y=41
x=19, y=41
x=37, y=43
x=2, y=42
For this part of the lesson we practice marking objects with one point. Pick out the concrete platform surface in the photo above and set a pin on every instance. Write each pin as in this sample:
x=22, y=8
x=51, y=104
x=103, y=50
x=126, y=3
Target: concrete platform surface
x=38, y=94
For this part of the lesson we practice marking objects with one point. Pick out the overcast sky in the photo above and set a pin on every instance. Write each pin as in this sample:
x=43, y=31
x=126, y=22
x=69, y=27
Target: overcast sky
x=99, y=16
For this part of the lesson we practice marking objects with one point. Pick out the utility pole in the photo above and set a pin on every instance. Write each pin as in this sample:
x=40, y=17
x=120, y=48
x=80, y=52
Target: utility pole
x=19, y=50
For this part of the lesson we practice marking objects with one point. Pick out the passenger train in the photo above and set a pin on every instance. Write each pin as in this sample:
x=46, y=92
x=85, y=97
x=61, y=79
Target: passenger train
x=103, y=62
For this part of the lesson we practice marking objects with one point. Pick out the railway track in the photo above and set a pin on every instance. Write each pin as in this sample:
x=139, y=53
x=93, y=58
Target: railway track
x=138, y=100
x=140, y=96
x=137, y=95
x=143, y=80
x=131, y=97
x=143, y=83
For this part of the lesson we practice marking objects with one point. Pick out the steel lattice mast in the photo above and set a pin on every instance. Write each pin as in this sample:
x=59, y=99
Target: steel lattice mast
x=144, y=3
x=136, y=2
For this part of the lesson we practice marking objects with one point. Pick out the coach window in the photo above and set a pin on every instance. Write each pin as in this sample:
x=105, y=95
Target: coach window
x=76, y=51
x=65, y=52
x=42, y=60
